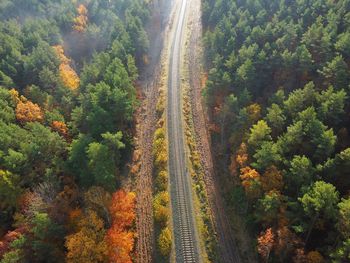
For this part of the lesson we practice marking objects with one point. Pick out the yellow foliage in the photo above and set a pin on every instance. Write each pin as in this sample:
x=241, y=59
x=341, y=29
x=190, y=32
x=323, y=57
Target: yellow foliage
x=161, y=214
x=28, y=112
x=165, y=241
x=251, y=182
x=14, y=96
x=160, y=105
x=60, y=53
x=80, y=22
x=60, y=127
x=162, y=180
x=242, y=155
x=254, y=111
x=160, y=133
x=88, y=244
x=68, y=76
x=161, y=159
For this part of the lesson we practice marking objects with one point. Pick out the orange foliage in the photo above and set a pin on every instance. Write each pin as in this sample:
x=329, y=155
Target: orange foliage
x=314, y=257
x=68, y=76
x=121, y=244
x=60, y=127
x=9, y=238
x=28, y=112
x=119, y=238
x=81, y=20
x=265, y=243
x=251, y=182
x=74, y=216
x=242, y=155
x=286, y=241
x=122, y=208
x=272, y=179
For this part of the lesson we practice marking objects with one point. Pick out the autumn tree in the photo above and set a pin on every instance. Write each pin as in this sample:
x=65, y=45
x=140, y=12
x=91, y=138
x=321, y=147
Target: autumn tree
x=122, y=208
x=68, y=75
x=60, y=127
x=160, y=208
x=27, y=111
x=80, y=22
x=272, y=179
x=162, y=181
x=99, y=200
x=165, y=242
x=88, y=243
x=119, y=237
x=286, y=241
x=265, y=243
x=242, y=155
x=251, y=182
x=314, y=257
x=121, y=244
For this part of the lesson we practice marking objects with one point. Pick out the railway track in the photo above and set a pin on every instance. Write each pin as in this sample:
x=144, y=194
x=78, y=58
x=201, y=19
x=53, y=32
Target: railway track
x=185, y=232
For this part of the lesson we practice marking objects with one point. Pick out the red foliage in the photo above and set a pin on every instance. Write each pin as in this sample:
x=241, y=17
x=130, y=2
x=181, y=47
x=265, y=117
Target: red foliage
x=9, y=238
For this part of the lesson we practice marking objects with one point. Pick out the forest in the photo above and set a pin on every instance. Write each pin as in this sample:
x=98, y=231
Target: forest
x=89, y=172
x=278, y=95
x=67, y=98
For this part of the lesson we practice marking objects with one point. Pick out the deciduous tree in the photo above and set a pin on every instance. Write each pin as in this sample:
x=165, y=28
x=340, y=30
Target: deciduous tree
x=88, y=243
x=265, y=243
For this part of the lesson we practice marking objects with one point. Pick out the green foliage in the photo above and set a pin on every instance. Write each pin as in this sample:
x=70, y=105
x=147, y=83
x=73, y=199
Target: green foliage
x=46, y=165
x=14, y=256
x=259, y=133
x=104, y=109
x=344, y=217
x=275, y=117
x=101, y=166
x=321, y=198
x=292, y=59
x=45, y=232
x=342, y=253
x=268, y=206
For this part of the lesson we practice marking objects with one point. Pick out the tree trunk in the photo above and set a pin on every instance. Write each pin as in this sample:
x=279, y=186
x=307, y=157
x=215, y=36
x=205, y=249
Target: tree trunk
x=311, y=227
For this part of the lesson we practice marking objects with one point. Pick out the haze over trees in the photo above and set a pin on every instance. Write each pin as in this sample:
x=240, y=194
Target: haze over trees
x=278, y=95
x=67, y=96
